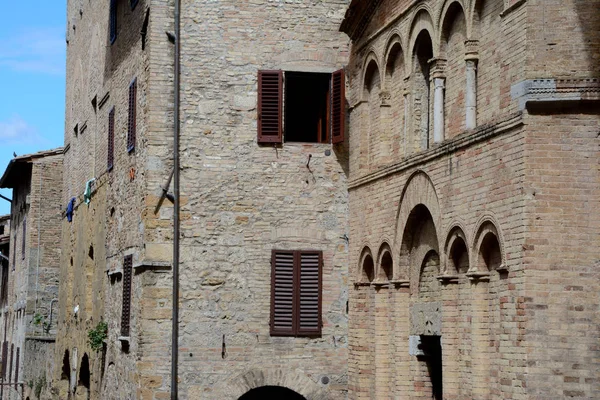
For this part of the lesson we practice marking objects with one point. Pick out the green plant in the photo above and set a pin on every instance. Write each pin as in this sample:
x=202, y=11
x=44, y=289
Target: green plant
x=37, y=319
x=39, y=385
x=98, y=335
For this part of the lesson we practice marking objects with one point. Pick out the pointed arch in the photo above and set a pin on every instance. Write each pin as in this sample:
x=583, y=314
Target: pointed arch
x=385, y=263
x=451, y=11
x=487, y=253
x=371, y=70
x=421, y=21
x=366, y=266
x=456, y=251
x=394, y=58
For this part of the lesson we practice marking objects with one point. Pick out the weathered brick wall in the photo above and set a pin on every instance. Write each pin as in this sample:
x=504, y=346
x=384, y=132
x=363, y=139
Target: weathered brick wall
x=98, y=78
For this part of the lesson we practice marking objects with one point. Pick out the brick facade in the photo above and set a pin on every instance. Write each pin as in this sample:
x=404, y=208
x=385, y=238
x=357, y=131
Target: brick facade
x=487, y=227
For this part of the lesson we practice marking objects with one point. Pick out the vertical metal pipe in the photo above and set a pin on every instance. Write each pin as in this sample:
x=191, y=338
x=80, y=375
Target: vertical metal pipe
x=175, y=321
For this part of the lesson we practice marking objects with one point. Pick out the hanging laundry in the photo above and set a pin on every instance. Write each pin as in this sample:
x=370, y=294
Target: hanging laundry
x=87, y=194
x=70, y=208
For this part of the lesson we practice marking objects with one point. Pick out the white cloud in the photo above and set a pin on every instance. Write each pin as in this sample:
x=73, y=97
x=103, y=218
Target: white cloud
x=17, y=131
x=40, y=50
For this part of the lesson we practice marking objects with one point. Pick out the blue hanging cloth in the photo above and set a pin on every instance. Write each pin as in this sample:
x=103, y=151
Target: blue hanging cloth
x=70, y=208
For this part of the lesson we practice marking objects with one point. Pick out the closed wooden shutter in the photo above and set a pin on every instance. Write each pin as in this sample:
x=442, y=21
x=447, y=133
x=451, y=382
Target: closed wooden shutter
x=23, y=239
x=113, y=21
x=296, y=293
x=126, y=306
x=17, y=368
x=111, y=140
x=309, y=293
x=131, y=130
x=338, y=106
x=282, y=293
x=270, y=106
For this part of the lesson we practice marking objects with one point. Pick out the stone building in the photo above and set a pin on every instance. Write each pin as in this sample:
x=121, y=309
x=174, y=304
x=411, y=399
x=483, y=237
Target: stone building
x=29, y=284
x=264, y=229
x=474, y=188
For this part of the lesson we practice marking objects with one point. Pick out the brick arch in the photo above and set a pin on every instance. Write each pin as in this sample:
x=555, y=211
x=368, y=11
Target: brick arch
x=418, y=191
x=487, y=225
x=384, y=256
x=455, y=233
x=361, y=274
x=474, y=17
x=421, y=21
x=394, y=43
x=443, y=20
x=370, y=61
x=240, y=384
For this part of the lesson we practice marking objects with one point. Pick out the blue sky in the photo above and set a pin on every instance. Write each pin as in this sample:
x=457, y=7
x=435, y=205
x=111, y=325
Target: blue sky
x=32, y=79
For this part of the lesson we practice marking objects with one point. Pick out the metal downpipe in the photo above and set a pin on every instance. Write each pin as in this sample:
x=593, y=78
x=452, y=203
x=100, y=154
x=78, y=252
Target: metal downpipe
x=175, y=317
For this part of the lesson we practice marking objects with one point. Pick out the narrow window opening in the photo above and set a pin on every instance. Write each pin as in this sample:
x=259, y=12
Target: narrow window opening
x=91, y=252
x=84, y=372
x=432, y=349
x=66, y=367
x=113, y=21
x=307, y=107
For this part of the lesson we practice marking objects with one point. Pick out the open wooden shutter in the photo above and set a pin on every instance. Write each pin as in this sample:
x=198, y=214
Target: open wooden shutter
x=338, y=106
x=126, y=301
x=270, y=106
x=309, y=293
x=282, y=293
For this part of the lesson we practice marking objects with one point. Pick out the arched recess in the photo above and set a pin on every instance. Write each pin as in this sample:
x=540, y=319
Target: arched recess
x=421, y=21
x=385, y=264
x=395, y=73
x=487, y=30
x=292, y=380
x=457, y=253
x=371, y=94
x=271, y=392
x=65, y=371
x=84, y=372
x=370, y=73
x=366, y=266
x=428, y=287
x=488, y=248
x=453, y=33
x=420, y=89
x=418, y=199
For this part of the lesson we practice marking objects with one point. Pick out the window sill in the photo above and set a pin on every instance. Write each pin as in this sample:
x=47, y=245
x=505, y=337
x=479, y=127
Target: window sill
x=124, y=339
x=156, y=266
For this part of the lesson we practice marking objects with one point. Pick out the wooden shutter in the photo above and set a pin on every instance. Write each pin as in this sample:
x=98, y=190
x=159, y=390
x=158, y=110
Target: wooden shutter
x=23, y=239
x=338, y=106
x=126, y=305
x=111, y=140
x=113, y=21
x=17, y=368
x=309, y=293
x=131, y=130
x=282, y=293
x=270, y=106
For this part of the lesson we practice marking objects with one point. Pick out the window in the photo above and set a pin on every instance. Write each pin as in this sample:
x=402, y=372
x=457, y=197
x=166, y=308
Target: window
x=296, y=293
x=126, y=309
x=133, y=3
x=17, y=368
x=23, y=239
x=111, y=140
x=314, y=107
x=132, y=119
x=113, y=21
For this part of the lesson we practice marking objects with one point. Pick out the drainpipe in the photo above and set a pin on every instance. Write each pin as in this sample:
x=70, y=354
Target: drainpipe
x=175, y=318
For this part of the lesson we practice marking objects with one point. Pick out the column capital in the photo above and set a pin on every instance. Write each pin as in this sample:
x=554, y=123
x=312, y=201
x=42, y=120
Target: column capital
x=385, y=98
x=472, y=50
x=437, y=68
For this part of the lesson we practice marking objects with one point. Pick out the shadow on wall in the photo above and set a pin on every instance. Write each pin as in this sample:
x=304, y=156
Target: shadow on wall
x=589, y=19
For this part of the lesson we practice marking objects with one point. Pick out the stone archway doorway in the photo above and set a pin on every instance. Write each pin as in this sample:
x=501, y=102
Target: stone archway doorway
x=271, y=392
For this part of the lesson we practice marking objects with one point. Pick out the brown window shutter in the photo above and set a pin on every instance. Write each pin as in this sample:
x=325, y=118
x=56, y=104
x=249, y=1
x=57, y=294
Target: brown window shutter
x=126, y=306
x=309, y=293
x=111, y=140
x=338, y=106
x=17, y=368
x=131, y=130
x=270, y=106
x=282, y=293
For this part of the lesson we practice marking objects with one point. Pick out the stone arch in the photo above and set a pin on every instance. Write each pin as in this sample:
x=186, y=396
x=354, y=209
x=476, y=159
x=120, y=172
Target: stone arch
x=240, y=384
x=366, y=266
x=421, y=21
x=385, y=263
x=370, y=66
x=488, y=247
x=271, y=392
x=456, y=251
